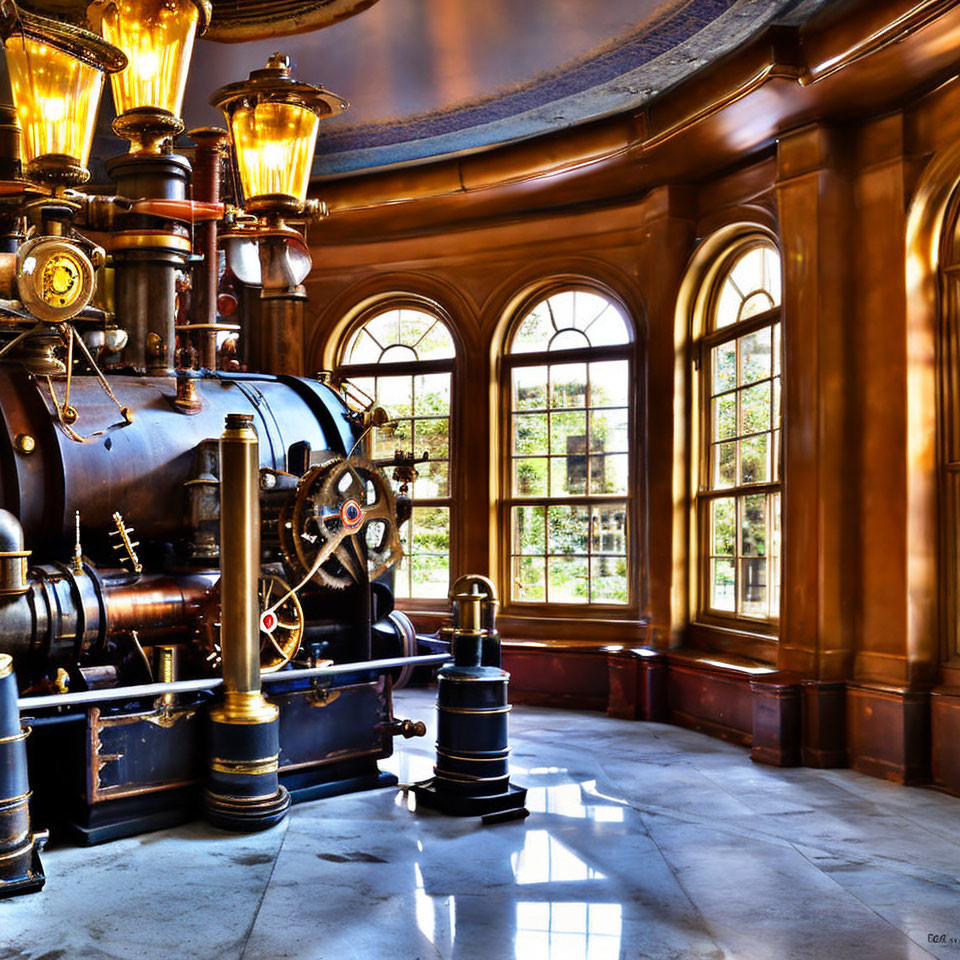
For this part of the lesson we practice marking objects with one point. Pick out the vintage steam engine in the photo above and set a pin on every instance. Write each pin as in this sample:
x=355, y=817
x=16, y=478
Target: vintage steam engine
x=176, y=532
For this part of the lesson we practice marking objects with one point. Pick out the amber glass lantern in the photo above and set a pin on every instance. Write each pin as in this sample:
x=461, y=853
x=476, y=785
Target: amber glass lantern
x=273, y=121
x=56, y=75
x=157, y=37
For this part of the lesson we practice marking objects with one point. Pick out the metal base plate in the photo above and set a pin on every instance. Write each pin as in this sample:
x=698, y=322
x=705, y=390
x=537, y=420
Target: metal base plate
x=456, y=805
x=32, y=883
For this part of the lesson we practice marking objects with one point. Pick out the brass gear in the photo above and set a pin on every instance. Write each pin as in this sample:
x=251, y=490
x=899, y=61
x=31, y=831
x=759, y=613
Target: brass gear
x=277, y=647
x=321, y=516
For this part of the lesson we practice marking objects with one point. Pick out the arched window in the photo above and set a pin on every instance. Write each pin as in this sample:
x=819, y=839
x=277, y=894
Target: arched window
x=738, y=482
x=568, y=418
x=402, y=356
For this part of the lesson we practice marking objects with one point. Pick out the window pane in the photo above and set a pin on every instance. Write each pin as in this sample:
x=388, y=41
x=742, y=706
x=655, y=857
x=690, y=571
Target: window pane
x=529, y=388
x=748, y=272
x=568, y=476
x=431, y=577
x=396, y=394
x=754, y=459
x=755, y=304
x=568, y=384
x=755, y=355
x=569, y=580
x=433, y=482
x=401, y=579
x=724, y=366
x=753, y=526
x=432, y=437
x=568, y=529
x=568, y=433
x=608, y=473
x=724, y=464
x=609, y=383
x=753, y=587
x=530, y=477
x=755, y=408
x=722, y=585
x=608, y=580
x=725, y=416
x=608, y=431
x=530, y=433
x=431, y=395
x=385, y=442
x=609, y=529
x=429, y=556
x=723, y=527
x=529, y=531
x=529, y=578
x=728, y=306
x=534, y=332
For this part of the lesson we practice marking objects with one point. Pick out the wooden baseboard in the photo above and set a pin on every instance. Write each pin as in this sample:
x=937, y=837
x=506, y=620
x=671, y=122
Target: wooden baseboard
x=944, y=737
x=888, y=732
x=776, y=722
x=824, y=735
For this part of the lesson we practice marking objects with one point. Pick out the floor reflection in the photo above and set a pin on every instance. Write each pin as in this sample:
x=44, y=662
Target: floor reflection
x=560, y=931
x=537, y=892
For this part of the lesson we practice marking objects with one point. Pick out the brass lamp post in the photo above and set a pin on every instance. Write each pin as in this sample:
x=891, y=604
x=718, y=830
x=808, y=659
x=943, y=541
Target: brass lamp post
x=157, y=37
x=56, y=74
x=273, y=122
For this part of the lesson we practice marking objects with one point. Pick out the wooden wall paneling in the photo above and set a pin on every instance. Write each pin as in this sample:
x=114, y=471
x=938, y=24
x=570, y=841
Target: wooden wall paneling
x=661, y=260
x=818, y=626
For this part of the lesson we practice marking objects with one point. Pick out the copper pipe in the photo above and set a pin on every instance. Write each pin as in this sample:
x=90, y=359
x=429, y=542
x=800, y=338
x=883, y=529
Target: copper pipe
x=155, y=604
x=206, y=190
x=188, y=211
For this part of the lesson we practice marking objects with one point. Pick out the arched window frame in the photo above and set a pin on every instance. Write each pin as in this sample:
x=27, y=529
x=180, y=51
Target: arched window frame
x=706, y=338
x=507, y=362
x=451, y=366
x=949, y=432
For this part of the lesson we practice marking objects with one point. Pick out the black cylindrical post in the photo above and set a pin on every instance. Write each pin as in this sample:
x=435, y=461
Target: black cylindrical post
x=472, y=773
x=20, y=868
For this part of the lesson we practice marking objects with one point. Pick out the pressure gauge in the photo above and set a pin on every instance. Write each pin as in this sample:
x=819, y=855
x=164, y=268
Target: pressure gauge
x=55, y=278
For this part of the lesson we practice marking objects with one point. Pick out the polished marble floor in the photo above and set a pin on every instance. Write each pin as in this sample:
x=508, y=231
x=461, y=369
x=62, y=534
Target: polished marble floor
x=643, y=841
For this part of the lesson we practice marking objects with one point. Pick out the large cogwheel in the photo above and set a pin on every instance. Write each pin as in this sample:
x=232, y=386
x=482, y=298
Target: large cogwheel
x=345, y=509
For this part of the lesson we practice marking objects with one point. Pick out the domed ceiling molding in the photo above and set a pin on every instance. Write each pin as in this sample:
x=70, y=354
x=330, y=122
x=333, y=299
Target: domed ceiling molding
x=621, y=75
x=235, y=21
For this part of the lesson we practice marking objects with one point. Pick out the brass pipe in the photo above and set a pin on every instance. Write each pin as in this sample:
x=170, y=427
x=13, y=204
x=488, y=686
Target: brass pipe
x=240, y=573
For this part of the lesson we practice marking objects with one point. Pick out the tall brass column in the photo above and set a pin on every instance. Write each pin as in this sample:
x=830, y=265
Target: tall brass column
x=243, y=791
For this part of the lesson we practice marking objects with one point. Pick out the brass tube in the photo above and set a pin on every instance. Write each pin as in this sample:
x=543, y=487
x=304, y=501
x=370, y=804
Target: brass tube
x=240, y=556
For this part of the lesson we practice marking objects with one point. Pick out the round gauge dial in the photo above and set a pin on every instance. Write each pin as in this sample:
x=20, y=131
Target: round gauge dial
x=61, y=280
x=55, y=278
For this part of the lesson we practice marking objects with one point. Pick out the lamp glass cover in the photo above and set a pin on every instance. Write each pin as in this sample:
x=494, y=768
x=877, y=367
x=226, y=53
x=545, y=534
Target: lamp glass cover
x=157, y=37
x=56, y=96
x=274, y=144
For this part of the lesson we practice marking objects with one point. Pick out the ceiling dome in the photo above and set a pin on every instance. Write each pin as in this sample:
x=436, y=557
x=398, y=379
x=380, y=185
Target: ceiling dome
x=237, y=20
